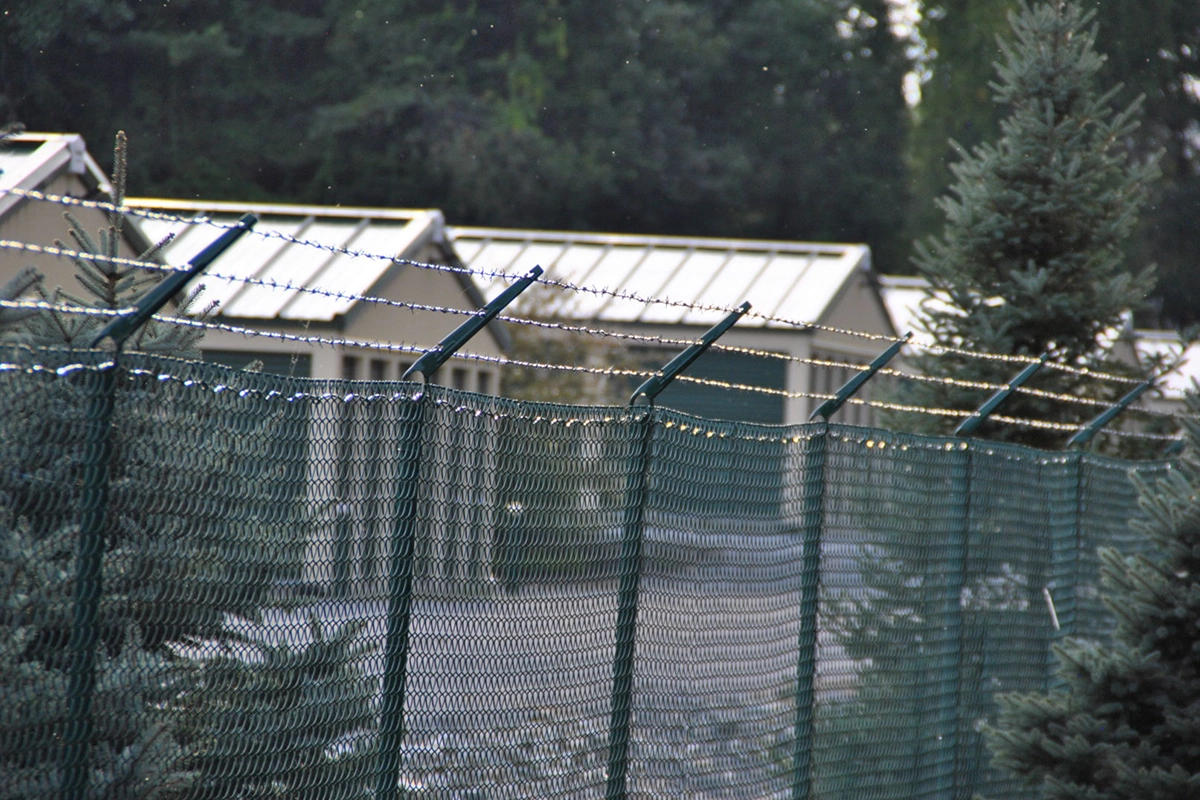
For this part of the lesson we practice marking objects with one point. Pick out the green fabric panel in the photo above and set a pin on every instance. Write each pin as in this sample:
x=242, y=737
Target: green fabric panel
x=258, y=591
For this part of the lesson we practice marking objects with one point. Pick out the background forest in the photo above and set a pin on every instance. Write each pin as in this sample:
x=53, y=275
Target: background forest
x=785, y=119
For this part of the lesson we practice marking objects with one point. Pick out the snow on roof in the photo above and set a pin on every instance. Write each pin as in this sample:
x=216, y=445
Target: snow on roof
x=290, y=278
x=792, y=281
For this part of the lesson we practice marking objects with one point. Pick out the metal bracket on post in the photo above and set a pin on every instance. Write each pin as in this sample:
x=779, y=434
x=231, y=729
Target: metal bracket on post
x=430, y=362
x=124, y=326
x=972, y=423
x=1085, y=434
x=95, y=490
x=404, y=535
x=630, y=568
x=651, y=388
x=830, y=406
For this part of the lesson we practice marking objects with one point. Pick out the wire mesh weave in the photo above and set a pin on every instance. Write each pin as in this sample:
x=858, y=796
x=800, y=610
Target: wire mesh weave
x=351, y=589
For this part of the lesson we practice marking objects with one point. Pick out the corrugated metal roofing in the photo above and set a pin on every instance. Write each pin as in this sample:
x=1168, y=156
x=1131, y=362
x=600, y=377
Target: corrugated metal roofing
x=280, y=253
x=793, y=281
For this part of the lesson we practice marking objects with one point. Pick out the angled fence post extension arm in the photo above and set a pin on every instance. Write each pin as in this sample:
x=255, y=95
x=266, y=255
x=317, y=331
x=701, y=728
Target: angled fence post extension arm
x=430, y=362
x=848, y=390
x=94, y=511
x=630, y=564
x=404, y=531
x=980, y=415
x=1087, y=432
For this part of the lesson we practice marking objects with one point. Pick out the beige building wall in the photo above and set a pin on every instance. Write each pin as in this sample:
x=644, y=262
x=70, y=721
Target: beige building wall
x=857, y=308
x=42, y=223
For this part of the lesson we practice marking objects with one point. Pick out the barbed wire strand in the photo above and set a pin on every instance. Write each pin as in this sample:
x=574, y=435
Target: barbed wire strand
x=610, y=371
x=565, y=285
x=639, y=338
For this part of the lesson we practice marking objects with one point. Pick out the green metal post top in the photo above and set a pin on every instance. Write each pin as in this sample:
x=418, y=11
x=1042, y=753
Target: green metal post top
x=1085, y=434
x=429, y=363
x=651, y=388
x=972, y=423
x=123, y=327
x=830, y=406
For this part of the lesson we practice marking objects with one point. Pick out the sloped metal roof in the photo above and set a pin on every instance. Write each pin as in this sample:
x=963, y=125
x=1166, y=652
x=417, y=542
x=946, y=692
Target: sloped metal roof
x=1186, y=377
x=294, y=258
x=30, y=160
x=903, y=294
x=793, y=281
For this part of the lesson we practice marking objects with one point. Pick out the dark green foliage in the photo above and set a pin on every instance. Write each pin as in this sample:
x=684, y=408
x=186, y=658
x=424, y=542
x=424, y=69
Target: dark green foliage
x=283, y=718
x=1031, y=260
x=203, y=522
x=1124, y=724
x=1153, y=50
x=765, y=118
x=956, y=99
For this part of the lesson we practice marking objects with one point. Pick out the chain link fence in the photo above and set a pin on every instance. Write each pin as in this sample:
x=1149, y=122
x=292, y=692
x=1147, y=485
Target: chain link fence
x=335, y=590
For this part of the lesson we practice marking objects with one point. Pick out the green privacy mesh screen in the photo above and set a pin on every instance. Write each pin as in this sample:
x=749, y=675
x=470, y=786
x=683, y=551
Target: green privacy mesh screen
x=310, y=589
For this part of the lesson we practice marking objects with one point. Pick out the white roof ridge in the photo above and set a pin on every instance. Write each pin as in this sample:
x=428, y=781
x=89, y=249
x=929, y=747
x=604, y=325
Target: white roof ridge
x=651, y=240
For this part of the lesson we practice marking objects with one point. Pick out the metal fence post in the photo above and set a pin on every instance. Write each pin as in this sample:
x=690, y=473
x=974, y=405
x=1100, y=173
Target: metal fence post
x=1062, y=597
x=404, y=537
x=813, y=516
x=977, y=418
x=630, y=564
x=88, y=580
x=89, y=566
x=399, y=587
x=630, y=570
x=951, y=681
x=1085, y=434
x=938, y=761
x=850, y=387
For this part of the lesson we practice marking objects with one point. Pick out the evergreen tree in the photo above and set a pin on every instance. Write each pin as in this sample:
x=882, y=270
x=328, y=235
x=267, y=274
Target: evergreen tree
x=285, y=719
x=133, y=750
x=203, y=520
x=1031, y=260
x=1125, y=722
x=1152, y=49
